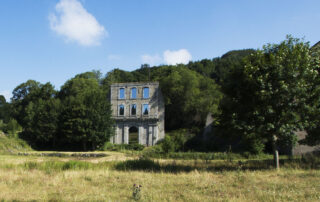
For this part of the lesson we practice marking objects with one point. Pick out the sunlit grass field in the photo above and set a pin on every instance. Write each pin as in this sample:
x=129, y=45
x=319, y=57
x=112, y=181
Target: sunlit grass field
x=111, y=178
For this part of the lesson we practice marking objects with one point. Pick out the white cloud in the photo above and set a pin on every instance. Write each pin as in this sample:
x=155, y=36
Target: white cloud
x=72, y=21
x=181, y=56
x=7, y=94
x=151, y=59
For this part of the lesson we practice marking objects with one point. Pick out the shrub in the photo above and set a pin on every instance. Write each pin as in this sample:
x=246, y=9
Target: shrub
x=152, y=152
x=135, y=147
x=2, y=125
x=136, y=192
x=168, y=145
x=176, y=140
x=138, y=164
x=12, y=127
x=108, y=146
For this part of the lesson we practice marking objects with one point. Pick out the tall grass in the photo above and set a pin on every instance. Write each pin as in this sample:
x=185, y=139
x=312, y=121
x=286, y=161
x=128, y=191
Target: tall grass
x=57, y=179
x=172, y=166
x=153, y=152
x=10, y=145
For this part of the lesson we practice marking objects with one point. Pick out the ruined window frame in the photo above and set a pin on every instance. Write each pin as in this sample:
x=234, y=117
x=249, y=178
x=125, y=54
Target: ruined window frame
x=144, y=107
x=144, y=93
x=120, y=94
x=131, y=93
x=119, y=109
x=131, y=108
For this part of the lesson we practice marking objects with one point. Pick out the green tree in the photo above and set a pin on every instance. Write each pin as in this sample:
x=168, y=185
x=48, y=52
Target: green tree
x=189, y=97
x=86, y=113
x=118, y=76
x=273, y=93
x=5, y=110
x=37, y=111
x=12, y=127
x=2, y=100
x=27, y=93
x=219, y=67
x=313, y=133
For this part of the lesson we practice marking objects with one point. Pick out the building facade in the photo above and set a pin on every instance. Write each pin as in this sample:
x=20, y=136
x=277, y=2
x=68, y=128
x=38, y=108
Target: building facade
x=138, y=111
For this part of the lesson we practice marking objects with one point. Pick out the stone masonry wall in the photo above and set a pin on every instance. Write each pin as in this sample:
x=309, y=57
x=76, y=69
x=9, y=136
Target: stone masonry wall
x=150, y=127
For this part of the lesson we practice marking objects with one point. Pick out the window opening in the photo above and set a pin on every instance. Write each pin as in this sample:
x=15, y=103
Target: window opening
x=121, y=93
x=121, y=110
x=133, y=93
x=133, y=109
x=145, y=109
x=146, y=92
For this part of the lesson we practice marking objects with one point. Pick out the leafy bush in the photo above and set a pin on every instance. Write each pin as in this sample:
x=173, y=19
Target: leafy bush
x=135, y=147
x=1, y=125
x=12, y=127
x=152, y=152
x=108, y=146
x=176, y=140
x=253, y=144
x=168, y=145
x=136, y=192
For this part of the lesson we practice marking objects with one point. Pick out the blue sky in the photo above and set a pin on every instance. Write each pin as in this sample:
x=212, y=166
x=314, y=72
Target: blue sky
x=53, y=40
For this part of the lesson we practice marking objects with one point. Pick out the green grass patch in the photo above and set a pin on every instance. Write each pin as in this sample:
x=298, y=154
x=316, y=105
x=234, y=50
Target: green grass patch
x=171, y=166
x=156, y=153
x=11, y=145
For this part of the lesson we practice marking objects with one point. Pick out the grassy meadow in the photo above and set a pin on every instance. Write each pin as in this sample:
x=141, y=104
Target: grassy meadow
x=41, y=177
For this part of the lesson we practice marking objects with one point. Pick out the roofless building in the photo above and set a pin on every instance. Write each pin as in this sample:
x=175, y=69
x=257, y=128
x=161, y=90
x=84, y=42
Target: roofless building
x=138, y=111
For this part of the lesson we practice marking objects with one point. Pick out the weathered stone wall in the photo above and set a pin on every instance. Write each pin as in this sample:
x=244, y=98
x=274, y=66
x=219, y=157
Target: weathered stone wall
x=150, y=127
x=303, y=149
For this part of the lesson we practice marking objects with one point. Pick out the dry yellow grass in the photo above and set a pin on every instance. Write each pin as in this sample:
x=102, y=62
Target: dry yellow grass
x=107, y=184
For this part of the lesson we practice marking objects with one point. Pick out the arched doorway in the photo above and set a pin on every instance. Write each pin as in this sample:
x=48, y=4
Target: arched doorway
x=133, y=135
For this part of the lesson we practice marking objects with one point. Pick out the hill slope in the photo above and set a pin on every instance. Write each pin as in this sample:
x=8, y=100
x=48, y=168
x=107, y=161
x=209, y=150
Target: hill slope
x=12, y=145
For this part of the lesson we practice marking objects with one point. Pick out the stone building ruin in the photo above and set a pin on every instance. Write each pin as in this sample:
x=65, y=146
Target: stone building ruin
x=138, y=111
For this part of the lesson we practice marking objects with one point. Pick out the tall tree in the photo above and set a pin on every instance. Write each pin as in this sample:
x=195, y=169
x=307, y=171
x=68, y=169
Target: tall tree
x=26, y=93
x=86, y=113
x=37, y=111
x=313, y=133
x=189, y=95
x=2, y=100
x=5, y=109
x=274, y=92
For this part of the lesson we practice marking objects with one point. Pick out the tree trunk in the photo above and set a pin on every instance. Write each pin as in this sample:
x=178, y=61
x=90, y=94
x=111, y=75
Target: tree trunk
x=275, y=152
x=276, y=159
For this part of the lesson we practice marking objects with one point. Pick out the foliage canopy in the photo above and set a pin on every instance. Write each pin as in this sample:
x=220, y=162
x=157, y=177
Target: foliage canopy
x=273, y=94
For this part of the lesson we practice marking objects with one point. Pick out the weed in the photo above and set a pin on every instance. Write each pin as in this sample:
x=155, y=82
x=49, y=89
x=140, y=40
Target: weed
x=136, y=192
x=87, y=178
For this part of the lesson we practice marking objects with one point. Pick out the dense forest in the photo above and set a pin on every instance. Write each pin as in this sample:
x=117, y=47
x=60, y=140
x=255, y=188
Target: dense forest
x=257, y=99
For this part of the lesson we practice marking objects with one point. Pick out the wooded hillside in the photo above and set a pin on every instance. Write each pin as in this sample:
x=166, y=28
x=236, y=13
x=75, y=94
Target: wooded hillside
x=256, y=97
